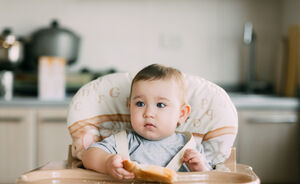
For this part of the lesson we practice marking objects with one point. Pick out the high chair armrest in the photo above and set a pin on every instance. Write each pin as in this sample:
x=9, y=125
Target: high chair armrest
x=232, y=158
x=230, y=164
x=71, y=161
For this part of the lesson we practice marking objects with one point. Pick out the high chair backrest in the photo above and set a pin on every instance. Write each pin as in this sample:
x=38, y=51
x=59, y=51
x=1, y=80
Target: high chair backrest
x=100, y=109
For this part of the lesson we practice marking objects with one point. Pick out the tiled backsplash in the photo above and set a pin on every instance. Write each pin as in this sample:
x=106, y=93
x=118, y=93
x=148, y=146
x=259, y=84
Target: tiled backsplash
x=203, y=37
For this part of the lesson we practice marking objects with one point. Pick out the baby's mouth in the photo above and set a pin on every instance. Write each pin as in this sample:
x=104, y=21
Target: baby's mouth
x=149, y=125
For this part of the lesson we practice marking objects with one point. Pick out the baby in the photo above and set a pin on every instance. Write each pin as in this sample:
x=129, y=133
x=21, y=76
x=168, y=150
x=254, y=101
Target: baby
x=157, y=106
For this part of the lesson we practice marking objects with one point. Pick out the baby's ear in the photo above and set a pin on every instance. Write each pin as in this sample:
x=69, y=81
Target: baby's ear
x=128, y=102
x=184, y=112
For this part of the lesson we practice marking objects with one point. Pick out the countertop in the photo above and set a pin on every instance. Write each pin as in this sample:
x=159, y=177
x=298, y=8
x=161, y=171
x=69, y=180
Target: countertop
x=240, y=100
x=34, y=102
x=255, y=101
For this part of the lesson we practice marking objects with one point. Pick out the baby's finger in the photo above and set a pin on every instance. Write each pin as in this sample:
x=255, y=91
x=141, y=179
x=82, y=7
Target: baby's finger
x=129, y=176
x=194, y=160
x=124, y=172
x=187, y=151
x=188, y=154
x=117, y=175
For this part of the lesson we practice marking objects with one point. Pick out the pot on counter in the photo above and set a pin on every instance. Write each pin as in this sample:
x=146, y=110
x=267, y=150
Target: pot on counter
x=54, y=41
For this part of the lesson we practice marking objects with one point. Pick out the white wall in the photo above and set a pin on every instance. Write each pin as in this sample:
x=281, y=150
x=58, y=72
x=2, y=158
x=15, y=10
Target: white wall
x=291, y=14
x=202, y=37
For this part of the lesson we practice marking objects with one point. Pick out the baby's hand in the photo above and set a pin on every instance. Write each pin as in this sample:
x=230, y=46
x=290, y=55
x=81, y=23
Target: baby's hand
x=114, y=167
x=194, y=160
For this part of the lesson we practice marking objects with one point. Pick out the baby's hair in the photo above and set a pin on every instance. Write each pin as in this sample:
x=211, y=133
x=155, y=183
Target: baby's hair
x=157, y=72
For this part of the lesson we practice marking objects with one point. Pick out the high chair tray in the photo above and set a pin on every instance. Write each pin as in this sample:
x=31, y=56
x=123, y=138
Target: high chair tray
x=57, y=172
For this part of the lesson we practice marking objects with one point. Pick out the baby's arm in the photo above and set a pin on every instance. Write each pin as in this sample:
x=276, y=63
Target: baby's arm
x=103, y=162
x=194, y=160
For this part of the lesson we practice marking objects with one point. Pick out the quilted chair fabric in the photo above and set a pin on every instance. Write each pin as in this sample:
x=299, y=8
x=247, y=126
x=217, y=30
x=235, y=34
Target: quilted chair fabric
x=100, y=109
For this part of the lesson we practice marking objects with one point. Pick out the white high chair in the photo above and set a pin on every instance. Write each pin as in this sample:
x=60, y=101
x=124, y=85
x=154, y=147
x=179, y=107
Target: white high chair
x=100, y=109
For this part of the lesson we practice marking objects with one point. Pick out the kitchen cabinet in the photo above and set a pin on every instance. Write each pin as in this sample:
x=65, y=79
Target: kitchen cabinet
x=268, y=140
x=53, y=136
x=17, y=143
x=31, y=137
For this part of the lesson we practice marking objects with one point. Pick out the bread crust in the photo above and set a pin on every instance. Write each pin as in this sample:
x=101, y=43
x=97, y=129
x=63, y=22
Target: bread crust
x=150, y=172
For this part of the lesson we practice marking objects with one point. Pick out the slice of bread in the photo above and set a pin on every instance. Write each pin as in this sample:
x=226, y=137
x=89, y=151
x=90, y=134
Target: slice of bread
x=150, y=172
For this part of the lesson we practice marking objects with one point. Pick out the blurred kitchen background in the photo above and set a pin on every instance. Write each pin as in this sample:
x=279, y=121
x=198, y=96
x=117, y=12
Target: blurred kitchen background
x=248, y=47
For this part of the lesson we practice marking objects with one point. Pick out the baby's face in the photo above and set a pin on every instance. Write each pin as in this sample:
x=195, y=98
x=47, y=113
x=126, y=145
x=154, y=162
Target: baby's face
x=155, y=108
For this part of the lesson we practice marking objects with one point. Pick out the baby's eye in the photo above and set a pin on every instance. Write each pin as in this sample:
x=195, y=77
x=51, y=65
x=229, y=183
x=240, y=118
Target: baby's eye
x=140, y=104
x=160, y=105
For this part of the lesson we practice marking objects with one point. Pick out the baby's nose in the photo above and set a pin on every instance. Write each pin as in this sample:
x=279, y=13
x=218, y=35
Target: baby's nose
x=149, y=111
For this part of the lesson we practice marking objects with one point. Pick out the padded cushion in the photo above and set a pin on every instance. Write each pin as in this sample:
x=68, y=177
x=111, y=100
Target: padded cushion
x=100, y=109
